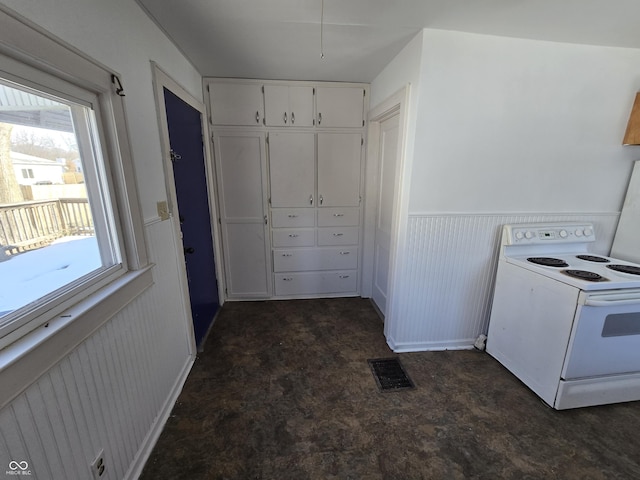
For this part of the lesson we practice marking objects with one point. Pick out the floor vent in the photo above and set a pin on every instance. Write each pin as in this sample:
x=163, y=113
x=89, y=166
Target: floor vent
x=389, y=375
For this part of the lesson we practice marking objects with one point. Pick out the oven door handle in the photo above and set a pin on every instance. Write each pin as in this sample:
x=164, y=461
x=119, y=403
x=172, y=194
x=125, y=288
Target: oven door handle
x=611, y=300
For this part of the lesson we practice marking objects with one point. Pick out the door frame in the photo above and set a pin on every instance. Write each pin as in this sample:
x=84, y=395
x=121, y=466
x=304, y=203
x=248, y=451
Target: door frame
x=162, y=80
x=396, y=103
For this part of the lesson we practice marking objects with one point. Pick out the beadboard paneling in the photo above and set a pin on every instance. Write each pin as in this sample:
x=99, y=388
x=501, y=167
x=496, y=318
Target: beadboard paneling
x=443, y=297
x=114, y=391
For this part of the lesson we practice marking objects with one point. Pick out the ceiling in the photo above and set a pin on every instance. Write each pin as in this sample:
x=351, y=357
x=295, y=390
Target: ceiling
x=280, y=39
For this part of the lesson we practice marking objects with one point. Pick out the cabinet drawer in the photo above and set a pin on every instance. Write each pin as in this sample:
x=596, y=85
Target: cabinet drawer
x=338, y=217
x=316, y=283
x=338, y=236
x=308, y=259
x=293, y=237
x=292, y=217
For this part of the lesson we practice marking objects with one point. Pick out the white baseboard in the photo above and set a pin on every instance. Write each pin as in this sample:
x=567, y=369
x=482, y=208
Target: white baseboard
x=138, y=463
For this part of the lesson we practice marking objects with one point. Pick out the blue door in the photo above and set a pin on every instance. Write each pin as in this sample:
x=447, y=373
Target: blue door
x=185, y=138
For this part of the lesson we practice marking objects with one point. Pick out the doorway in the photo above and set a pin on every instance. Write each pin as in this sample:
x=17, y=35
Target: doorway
x=386, y=205
x=189, y=188
x=189, y=175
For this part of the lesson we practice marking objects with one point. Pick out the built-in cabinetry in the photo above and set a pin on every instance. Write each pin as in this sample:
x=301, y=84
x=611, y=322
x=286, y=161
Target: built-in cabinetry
x=290, y=179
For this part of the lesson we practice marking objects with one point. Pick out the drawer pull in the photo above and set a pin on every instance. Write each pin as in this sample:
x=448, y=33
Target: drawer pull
x=338, y=234
x=345, y=253
x=344, y=276
x=338, y=214
x=287, y=254
x=293, y=235
x=287, y=279
x=292, y=216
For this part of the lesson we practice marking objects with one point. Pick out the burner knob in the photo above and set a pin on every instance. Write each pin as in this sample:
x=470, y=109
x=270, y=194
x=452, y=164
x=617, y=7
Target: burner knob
x=528, y=235
x=579, y=233
x=563, y=234
x=588, y=232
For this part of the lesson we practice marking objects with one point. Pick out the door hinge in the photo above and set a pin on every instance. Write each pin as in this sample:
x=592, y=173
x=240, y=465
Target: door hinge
x=262, y=88
x=219, y=220
x=208, y=88
x=361, y=141
x=269, y=200
x=364, y=92
x=267, y=139
x=363, y=123
x=314, y=90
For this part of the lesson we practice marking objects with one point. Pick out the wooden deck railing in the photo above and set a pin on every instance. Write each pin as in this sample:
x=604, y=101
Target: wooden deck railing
x=29, y=225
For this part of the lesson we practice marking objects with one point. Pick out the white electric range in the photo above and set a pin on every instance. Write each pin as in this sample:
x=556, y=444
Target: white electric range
x=566, y=322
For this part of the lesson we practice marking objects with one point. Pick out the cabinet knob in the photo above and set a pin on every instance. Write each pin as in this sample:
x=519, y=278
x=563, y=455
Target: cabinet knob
x=287, y=279
x=285, y=117
x=338, y=214
x=319, y=118
x=287, y=254
x=321, y=199
x=345, y=253
x=293, y=118
x=257, y=116
x=310, y=199
x=292, y=216
x=293, y=235
x=343, y=276
x=338, y=234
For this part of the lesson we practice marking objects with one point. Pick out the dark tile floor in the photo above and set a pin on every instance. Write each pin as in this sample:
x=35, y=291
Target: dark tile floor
x=283, y=391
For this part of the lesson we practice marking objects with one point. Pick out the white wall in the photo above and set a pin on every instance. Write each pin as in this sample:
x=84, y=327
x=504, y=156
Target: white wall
x=509, y=125
x=118, y=386
x=505, y=130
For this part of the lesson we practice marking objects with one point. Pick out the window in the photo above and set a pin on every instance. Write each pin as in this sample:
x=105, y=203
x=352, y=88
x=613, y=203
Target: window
x=68, y=227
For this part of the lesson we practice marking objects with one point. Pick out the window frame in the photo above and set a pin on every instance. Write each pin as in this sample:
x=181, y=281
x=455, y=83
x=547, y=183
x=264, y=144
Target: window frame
x=31, y=57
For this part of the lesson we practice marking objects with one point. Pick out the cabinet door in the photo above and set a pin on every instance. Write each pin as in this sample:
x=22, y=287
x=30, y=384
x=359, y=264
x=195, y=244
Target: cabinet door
x=291, y=169
x=236, y=104
x=276, y=105
x=241, y=172
x=288, y=106
x=340, y=106
x=301, y=106
x=339, y=169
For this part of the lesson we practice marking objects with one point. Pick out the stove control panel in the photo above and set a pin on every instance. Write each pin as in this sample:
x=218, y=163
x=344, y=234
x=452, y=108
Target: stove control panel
x=538, y=233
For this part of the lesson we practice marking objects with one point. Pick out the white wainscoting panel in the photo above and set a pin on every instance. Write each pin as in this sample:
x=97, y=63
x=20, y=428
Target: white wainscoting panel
x=113, y=392
x=444, y=290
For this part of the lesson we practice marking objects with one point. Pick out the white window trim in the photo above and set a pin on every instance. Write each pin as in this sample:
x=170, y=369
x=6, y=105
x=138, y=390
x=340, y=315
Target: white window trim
x=68, y=324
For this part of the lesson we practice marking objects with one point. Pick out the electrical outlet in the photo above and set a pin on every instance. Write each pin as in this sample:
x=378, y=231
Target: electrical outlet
x=163, y=210
x=98, y=466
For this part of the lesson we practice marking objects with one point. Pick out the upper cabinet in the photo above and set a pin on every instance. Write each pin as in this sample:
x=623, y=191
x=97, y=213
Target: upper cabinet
x=237, y=104
x=340, y=107
x=288, y=106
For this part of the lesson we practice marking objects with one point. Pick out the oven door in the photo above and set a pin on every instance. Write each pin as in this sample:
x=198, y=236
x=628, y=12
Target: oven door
x=605, y=338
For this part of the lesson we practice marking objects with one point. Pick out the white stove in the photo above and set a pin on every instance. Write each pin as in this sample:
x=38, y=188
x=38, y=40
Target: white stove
x=566, y=321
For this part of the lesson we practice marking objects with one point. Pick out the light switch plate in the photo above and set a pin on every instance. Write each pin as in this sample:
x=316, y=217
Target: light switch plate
x=163, y=210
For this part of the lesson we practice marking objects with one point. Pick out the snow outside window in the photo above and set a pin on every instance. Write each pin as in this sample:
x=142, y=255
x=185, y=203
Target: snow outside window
x=58, y=230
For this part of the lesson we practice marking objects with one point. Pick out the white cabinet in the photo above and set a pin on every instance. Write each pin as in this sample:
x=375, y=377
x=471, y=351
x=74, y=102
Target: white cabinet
x=236, y=104
x=288, y=106
x=292, y=169
x=289, y=162
x=339, y=169
x=242, y=194
x=340, y=107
